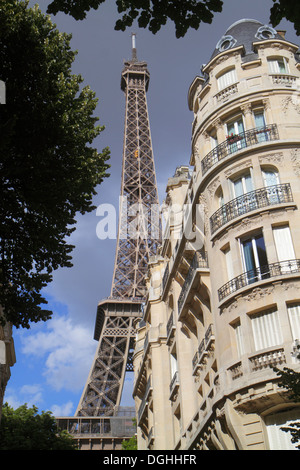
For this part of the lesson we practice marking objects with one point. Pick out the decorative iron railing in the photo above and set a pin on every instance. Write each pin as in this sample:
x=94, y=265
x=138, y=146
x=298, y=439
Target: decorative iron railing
x=199, y=260
x=174, y=382
x=145, y=399
x=170, y=324
x=237, y=142
x=165, y=277
x=203, y=346
x=268, y=196
x=254, y=275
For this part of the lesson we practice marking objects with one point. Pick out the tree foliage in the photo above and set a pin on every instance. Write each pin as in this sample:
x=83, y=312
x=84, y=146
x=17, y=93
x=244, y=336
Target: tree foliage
x=286, y=9
x=290, y=381
x=25, y=429
x=130, y=444
x=48, y=168
x=185, y=14
x=152, y=14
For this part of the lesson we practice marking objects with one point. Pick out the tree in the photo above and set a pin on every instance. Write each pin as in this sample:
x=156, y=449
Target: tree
x=130, y=444
x=48, y=169
x=290, y=381
x=25, y=429
x=184, y=13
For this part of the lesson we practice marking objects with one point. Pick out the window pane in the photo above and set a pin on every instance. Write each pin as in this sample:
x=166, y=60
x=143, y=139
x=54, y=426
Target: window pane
x=283, y=243
x=248, y=255
x=248, y=183
x=266, y=329
x=294, y=317
x=259, y=119
x=261, y=250
x=226, y=79
x=239, y=339
x=270, y=177
x=278, y=439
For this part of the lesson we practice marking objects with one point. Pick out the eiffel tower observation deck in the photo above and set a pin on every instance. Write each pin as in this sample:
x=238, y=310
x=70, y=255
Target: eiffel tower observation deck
x=139, y=235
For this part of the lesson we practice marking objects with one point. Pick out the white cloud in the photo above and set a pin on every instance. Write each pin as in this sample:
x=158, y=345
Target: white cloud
x=31, y=394
x=62, y=410
x=68, y=350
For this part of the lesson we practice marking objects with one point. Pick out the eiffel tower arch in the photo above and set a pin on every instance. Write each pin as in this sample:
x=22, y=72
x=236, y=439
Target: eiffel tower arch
x=139, y=235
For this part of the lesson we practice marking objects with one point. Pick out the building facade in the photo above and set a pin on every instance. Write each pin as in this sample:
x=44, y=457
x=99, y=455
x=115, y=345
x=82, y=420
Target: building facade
x=223, y=302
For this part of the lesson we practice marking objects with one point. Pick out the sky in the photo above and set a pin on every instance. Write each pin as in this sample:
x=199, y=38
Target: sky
x=54, y=357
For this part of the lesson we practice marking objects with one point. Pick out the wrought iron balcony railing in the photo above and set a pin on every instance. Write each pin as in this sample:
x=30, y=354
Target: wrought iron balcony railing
x=203, y=347
x=254, y=275
x=199, y=260
x=174, y=383
x=237, y=142
x=268, y=196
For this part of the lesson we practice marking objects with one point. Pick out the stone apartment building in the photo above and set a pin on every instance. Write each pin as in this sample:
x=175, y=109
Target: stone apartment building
x=223, y=301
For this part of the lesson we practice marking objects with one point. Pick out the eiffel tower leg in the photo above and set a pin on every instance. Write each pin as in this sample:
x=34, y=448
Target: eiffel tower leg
x=103, y=390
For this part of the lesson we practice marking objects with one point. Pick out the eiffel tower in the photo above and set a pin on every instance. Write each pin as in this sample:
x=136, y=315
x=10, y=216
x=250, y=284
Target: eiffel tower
x=139, y=235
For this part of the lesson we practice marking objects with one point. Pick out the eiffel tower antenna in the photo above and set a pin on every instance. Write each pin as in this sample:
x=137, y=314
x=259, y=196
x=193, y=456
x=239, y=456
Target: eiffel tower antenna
x=139, y=235
x=134, y=55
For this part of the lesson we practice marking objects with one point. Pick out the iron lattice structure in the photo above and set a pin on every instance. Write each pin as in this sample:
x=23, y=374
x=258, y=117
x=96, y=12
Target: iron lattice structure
x=139, y=235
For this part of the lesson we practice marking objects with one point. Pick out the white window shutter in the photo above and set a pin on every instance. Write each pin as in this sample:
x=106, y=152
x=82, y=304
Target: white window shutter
x=283, y=243
x=266, y=329
x=294, y=317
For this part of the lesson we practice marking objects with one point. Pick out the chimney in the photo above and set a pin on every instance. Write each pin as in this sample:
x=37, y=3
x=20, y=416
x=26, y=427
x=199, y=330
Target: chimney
x=281, y=33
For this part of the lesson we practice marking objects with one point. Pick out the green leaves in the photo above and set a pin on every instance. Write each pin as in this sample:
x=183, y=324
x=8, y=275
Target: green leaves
x=48, y=169
x=286, y=9
x=25, y=429
x=185, y=14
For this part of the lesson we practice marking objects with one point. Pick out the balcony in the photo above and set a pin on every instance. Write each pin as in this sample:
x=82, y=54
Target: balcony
x=261, y=273
x=258, y=199
x=170, y=327
x=174, y=385
x=273, y=357
x=144, y=402
x=202, y=352
x=199, y=261
x=238, y=142
x=284, y=79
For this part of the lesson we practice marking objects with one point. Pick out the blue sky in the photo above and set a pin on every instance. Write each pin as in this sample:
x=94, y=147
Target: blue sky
x=54, y=358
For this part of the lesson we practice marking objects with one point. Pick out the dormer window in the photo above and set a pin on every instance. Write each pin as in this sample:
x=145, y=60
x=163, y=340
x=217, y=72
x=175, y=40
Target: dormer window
x=265, y=32
x=226, y=78
x=225, y=43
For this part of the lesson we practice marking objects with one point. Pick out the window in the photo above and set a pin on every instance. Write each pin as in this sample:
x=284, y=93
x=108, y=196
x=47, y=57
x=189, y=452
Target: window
x=278, y=65
x=226, y=42
x=260, y=125
x=278, y=439
x=266, y=329
x=254, y=258
x=265, y=32
x=226, y=79
x=270, y=177
x=284, y=247
x=241, y=186
x=229, y=265
x=235, y=135
x=239, y=338
x=294, y=317
x=271, y=181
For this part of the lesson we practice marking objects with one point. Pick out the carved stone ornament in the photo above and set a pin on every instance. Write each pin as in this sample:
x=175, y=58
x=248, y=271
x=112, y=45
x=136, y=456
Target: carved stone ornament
x=272, y=158
x=295, y=157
